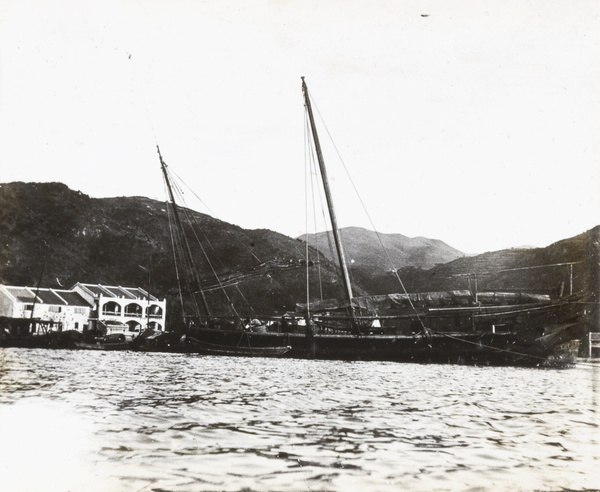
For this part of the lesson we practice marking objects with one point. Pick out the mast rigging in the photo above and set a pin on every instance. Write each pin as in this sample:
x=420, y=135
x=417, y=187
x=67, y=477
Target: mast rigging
x=334, y=225
x=187, y=250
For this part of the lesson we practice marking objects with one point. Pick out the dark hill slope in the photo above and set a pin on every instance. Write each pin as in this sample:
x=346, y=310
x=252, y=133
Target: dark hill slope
x=370, y=263
x=363, y=248
x=126, y=241
x=534, y=270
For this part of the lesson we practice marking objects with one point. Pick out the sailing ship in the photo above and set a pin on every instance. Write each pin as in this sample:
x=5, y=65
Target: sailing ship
x=442, y=327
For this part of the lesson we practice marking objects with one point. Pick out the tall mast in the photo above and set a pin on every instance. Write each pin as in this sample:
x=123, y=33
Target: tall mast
x=187, y=249
x=332, y=216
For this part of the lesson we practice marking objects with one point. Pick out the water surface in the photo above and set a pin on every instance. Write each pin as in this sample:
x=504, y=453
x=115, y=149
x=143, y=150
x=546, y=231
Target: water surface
x=124, y=421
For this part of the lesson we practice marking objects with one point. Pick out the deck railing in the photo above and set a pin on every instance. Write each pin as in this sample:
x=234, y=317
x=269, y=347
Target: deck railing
x=111, y=313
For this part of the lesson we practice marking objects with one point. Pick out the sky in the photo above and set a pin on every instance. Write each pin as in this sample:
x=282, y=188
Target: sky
x=473, y=122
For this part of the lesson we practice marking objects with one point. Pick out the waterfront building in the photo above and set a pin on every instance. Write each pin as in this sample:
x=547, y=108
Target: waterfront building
x=49, y=309
x=108, y=309
x=128, y=310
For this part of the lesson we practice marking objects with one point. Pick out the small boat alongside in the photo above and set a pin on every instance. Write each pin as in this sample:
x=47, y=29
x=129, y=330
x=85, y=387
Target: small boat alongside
x=205, y=348
x=108, y=342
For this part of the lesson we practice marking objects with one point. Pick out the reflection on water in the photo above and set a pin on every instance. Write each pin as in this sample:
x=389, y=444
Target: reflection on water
x=121, y=421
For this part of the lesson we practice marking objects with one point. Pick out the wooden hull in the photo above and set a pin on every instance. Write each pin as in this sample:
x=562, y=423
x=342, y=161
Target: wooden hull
x=531, y=335
x=522, y=336
x=536, y=334
x=245, y=351
x=519, y=349
x=102, y=346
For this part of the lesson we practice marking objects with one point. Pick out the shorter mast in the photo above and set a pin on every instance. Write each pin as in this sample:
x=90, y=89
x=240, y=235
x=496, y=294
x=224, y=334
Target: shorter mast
x=332, y=216
x=187, y=249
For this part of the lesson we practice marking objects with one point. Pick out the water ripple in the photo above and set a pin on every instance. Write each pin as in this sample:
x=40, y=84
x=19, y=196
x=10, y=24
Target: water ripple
x=159, y=422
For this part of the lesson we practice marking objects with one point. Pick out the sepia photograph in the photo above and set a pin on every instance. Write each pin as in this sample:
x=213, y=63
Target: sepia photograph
x=299, y=245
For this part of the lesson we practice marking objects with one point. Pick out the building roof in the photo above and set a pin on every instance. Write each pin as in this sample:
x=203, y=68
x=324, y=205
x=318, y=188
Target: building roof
x=140, y=293
x=96, y=290
x=73, y=298
x=57, y=297
x=48, y=296
x=22, y=294
x=62, y=297
x=119, y=292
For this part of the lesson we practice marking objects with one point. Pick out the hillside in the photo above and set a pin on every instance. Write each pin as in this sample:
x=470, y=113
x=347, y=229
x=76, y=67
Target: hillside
x=374, y=256
x=431, y=265
x=63, y=236
x=363, y=248
x=541, y=270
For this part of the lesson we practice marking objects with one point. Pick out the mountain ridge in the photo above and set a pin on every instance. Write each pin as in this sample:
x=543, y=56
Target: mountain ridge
x=63, y=236
x=362, y=245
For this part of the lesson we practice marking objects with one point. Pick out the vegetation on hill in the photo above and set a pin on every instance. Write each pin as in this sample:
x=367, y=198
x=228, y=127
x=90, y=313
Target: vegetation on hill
x=565, y=266
x=369, y=265
x=431, y=265
x=363, y=249
x=58, y=237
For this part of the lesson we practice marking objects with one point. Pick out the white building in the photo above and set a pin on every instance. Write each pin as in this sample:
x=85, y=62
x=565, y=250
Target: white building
x=49, y=309
x=110, y=309
x=128, y=310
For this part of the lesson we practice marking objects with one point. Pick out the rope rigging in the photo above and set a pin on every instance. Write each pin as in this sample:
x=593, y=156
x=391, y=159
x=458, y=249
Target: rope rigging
x=391, y=264
x=181, y=242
